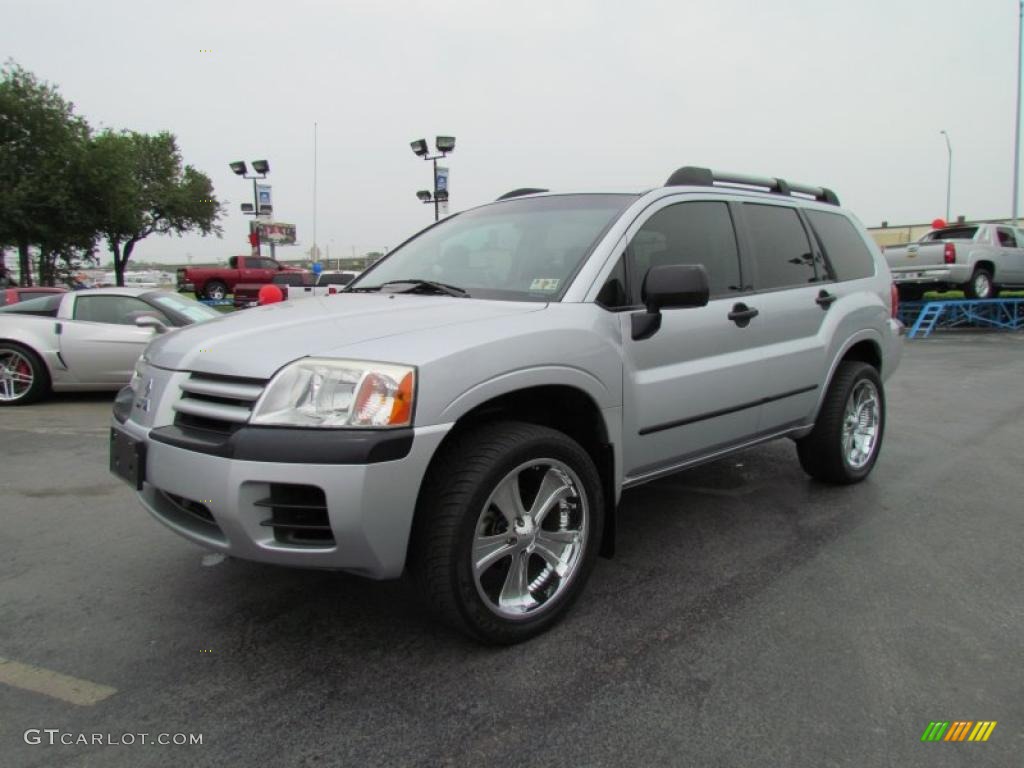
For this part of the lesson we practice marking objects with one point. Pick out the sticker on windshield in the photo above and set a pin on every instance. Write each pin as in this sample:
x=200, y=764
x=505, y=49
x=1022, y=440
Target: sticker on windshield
x=545, y=284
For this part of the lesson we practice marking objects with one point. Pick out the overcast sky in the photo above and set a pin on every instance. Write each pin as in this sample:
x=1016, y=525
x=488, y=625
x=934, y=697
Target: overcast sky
x=574, y=95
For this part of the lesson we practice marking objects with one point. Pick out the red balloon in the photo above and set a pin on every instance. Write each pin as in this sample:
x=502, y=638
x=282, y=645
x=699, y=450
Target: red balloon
x=938, y=224
x=270, y=294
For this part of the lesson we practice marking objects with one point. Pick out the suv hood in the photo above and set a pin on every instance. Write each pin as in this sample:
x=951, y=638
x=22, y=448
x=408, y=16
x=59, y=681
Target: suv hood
x=258, y=342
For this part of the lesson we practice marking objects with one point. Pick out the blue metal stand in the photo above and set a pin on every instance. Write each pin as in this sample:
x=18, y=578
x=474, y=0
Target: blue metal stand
x=922, y=317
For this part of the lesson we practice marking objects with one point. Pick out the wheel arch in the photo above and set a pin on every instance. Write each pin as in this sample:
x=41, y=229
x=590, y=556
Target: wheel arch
x=864, y=347
x=571, y=408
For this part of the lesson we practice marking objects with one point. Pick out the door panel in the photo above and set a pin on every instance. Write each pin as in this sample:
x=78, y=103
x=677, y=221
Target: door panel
x=683, y=386
x=102, y=353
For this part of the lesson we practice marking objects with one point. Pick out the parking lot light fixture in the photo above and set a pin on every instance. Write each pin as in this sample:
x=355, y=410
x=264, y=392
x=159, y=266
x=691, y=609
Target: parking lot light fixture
x=444, y=144
x=260, y=170
x=949, y=171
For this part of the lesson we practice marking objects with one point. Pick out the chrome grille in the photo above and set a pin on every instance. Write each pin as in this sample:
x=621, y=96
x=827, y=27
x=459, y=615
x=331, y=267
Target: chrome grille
x=218, y=403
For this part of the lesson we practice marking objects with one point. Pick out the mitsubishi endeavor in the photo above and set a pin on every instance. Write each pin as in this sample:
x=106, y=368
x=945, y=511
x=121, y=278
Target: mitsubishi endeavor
x=470, y=409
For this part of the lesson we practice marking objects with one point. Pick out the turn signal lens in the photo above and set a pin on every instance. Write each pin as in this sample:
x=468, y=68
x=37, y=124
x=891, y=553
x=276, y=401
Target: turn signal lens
x=380, y=403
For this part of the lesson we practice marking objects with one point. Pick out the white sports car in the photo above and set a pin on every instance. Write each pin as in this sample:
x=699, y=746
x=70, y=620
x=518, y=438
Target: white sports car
x=84, y=340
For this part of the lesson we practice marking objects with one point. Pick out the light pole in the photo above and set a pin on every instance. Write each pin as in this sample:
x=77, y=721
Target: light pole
x=949, y=172
x=261, y=167
x=1016, y=133
x=444, y=144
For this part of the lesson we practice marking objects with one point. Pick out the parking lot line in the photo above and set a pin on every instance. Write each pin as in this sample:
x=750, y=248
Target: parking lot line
x=38, y=680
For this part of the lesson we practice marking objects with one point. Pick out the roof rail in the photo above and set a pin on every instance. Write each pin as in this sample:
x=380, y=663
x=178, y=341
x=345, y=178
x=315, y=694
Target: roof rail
x=521, y=191
x=704, y=177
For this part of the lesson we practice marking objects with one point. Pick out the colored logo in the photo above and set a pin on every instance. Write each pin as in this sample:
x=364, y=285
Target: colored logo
x=959, y=730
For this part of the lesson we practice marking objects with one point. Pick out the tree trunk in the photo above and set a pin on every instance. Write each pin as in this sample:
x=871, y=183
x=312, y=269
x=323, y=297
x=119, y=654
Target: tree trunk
x=24, y=264
x=115, y=248
x=128, y=248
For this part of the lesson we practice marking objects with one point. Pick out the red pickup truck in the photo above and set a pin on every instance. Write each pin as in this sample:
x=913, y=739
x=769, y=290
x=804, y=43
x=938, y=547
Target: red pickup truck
x=218, y=282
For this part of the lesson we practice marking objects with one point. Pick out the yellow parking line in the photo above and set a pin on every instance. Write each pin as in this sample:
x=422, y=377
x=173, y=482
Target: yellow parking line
x=38, y=680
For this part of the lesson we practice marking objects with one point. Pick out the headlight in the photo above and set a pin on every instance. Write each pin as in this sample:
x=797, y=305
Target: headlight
x=338, y=393
x=137, y=374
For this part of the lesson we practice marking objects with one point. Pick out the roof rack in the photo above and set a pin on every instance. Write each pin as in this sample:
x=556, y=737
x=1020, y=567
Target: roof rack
x=704, y=177
x=522, y=191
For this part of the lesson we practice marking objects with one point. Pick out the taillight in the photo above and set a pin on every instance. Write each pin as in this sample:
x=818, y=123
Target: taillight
x=949, y=253
x=332, y=290
x=895, y=299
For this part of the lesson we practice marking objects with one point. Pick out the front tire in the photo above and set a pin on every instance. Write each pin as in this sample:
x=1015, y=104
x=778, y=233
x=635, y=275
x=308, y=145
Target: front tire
x=24, y=378
x=507, y=530
x=844, y=444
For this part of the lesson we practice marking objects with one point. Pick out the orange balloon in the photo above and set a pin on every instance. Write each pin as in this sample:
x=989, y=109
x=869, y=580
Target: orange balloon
x=270, y=294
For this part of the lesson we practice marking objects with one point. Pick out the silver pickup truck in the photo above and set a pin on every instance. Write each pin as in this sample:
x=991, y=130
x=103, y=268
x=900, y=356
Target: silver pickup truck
x=470, y=408
x=979, y=259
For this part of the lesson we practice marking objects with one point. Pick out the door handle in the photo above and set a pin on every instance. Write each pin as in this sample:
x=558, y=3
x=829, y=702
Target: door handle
x=742, y=314
x=825, y=299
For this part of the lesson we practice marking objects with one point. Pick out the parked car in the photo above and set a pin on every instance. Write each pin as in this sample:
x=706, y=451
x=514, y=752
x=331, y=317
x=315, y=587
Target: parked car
x=979, y=259
x=217, y=282
x=83, y=340
x=296, y=285
x=13, y=295
x=472, y=406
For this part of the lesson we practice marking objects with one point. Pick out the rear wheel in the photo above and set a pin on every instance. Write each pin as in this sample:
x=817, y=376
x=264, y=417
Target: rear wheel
x=215, y=290
x=844, y=444
x=507, y=530
x=980, y=285
x=23, y=376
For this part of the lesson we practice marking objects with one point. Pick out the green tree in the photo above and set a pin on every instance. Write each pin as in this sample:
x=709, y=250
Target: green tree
x=140, y=188
x=42, y=146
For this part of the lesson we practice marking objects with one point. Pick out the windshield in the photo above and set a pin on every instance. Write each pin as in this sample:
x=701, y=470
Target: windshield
x=523, y=250
x=187, y=309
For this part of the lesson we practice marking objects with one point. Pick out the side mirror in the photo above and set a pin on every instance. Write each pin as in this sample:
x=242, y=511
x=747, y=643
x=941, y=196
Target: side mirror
x=151, y=321
x=673, y=286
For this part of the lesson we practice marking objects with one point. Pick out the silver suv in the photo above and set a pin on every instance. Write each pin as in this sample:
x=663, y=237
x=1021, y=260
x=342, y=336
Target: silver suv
x=471, y=408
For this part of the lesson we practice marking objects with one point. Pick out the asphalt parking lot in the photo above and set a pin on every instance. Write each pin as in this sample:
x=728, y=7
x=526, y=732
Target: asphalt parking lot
x=751, y=617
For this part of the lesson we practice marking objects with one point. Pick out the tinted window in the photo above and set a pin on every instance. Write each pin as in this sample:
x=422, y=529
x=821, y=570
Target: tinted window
x=339, y=278
x=843, y=245
x=267, y=264
x=293, y=278
x=781, y=249
x=613, y=293
x=688, y=233
x=118, y=310
x=1006, y=238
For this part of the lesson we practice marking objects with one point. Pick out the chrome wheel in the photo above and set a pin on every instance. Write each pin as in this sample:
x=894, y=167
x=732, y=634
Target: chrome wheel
x=861, y=423
x=982, y=285
x=16, y=375
x=530, y=538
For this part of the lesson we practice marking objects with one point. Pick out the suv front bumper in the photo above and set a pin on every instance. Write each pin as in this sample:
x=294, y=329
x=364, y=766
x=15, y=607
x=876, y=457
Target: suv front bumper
x=221, y=502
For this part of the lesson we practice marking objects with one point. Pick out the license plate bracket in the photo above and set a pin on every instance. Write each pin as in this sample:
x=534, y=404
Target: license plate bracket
x=127, y=458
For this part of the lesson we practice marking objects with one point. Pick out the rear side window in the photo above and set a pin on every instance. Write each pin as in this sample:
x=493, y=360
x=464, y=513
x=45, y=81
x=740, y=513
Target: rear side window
x=844, y=247
x=1006, y=237
x=45, y=306
x=781, y=248
x=688, y=233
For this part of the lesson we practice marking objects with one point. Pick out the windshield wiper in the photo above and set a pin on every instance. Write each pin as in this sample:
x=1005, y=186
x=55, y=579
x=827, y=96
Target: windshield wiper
x=416, y=283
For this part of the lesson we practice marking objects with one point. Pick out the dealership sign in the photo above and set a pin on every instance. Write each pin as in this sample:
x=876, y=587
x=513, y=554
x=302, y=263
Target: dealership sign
x=276, y=232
